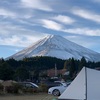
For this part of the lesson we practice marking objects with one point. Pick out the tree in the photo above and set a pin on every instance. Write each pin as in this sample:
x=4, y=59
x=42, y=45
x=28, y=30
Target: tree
x=6, y=72
x=21, y=73
x=82, y=63
x=67, y=64
x=72, y=68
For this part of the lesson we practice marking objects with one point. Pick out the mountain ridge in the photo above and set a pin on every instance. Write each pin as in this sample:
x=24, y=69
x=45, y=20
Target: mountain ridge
x=59, y=47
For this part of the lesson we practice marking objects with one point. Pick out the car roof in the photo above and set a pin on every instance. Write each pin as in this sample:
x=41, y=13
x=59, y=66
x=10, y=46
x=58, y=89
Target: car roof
x=29, y=83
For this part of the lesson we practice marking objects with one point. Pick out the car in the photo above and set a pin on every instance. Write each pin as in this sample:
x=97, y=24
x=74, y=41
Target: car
x=58, y=90
x=29, y=85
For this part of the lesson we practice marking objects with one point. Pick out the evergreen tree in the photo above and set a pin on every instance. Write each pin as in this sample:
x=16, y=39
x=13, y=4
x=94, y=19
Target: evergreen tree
x=83, y=63
x=67, y=64
x=6, y=72
x=21, y=73
x=72, y=68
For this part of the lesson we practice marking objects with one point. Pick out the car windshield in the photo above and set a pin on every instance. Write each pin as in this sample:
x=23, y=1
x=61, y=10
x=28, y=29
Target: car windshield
x=34, y=85
x=64, y=84
x=60, y=84
x=29, y=84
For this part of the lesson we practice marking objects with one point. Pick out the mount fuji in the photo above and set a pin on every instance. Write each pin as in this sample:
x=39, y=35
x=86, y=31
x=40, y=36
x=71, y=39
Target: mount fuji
x=59, y=47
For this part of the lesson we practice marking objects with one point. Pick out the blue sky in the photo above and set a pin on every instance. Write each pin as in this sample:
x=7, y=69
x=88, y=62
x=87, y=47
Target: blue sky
x=23, y=22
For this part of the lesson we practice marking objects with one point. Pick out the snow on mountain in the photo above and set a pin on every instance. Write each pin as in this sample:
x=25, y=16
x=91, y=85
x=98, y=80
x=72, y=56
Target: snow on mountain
x=59, y=47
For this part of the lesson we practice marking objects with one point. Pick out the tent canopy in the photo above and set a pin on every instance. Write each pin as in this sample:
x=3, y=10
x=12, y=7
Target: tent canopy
x=86, y=86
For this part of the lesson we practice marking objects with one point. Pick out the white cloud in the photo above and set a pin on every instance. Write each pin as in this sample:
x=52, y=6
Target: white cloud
x=81, y=31
x=12, y=40
x=16, y=50
x=51, y=25
x=7, y=13
x=19, y=40
x=14, y=14
x=36, y=4
x=17, y=36
x=84, y=31
x=87, y=14
x=64, y=19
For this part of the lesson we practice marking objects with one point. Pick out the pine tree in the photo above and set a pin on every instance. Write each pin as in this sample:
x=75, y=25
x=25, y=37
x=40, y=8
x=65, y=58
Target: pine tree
x=82, y=63
x=72, y=68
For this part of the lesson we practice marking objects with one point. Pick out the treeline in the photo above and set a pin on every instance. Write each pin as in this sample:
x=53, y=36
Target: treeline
x=28, y=68
x=35, y=67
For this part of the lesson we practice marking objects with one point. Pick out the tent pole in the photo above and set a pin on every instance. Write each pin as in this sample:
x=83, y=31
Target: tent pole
x=86, y=81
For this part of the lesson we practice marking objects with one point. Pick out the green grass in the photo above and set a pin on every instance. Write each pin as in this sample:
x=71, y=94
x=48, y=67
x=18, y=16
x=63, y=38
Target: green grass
x=38, y=96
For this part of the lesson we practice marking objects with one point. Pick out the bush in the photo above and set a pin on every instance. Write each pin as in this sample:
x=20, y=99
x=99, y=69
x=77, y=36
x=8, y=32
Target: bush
x=1, y=88
x=14, y=88
x=30, y=90
x=43, y=87
x=20, y=89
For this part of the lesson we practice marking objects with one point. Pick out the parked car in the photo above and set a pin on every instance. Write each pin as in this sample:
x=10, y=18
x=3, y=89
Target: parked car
x=51, y=83
x=29, y=85
x=58, y=90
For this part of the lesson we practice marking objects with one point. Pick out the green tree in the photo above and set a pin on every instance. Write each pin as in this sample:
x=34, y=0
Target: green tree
x=6, y=72
x=72, y=68
x=21, y=73
x=67, y=64
x=83, y=63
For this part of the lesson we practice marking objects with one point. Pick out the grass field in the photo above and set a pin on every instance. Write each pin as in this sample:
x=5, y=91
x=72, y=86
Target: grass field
x=40, y=96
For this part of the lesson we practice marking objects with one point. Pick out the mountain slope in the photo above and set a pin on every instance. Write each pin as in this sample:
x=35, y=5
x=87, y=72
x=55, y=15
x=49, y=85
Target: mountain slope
x=57, y=46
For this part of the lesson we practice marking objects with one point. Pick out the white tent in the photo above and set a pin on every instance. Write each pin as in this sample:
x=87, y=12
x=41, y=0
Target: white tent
x=86, y=86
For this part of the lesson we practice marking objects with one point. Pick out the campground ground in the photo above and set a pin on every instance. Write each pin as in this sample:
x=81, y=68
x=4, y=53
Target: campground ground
x=38, y=96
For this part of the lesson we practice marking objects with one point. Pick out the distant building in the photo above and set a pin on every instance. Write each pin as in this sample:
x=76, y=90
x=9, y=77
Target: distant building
x=54, y=72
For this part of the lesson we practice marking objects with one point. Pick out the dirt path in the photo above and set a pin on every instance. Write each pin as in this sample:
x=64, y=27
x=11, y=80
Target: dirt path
x=42, y=96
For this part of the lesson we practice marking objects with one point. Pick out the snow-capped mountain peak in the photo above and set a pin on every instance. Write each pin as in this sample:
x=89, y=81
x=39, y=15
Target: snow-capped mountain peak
x=57, y=46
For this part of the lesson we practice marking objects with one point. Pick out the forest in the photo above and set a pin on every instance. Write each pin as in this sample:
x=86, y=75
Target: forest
x=35, y=67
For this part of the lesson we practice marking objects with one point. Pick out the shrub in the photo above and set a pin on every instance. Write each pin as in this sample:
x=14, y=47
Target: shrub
x=30, y=90
x=43, y=87
x=1, y=88
x=14, y=88
x=20, y=89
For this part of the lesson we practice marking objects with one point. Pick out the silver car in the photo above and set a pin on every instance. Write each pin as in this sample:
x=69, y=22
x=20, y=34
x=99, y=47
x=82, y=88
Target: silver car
x=58, y=90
